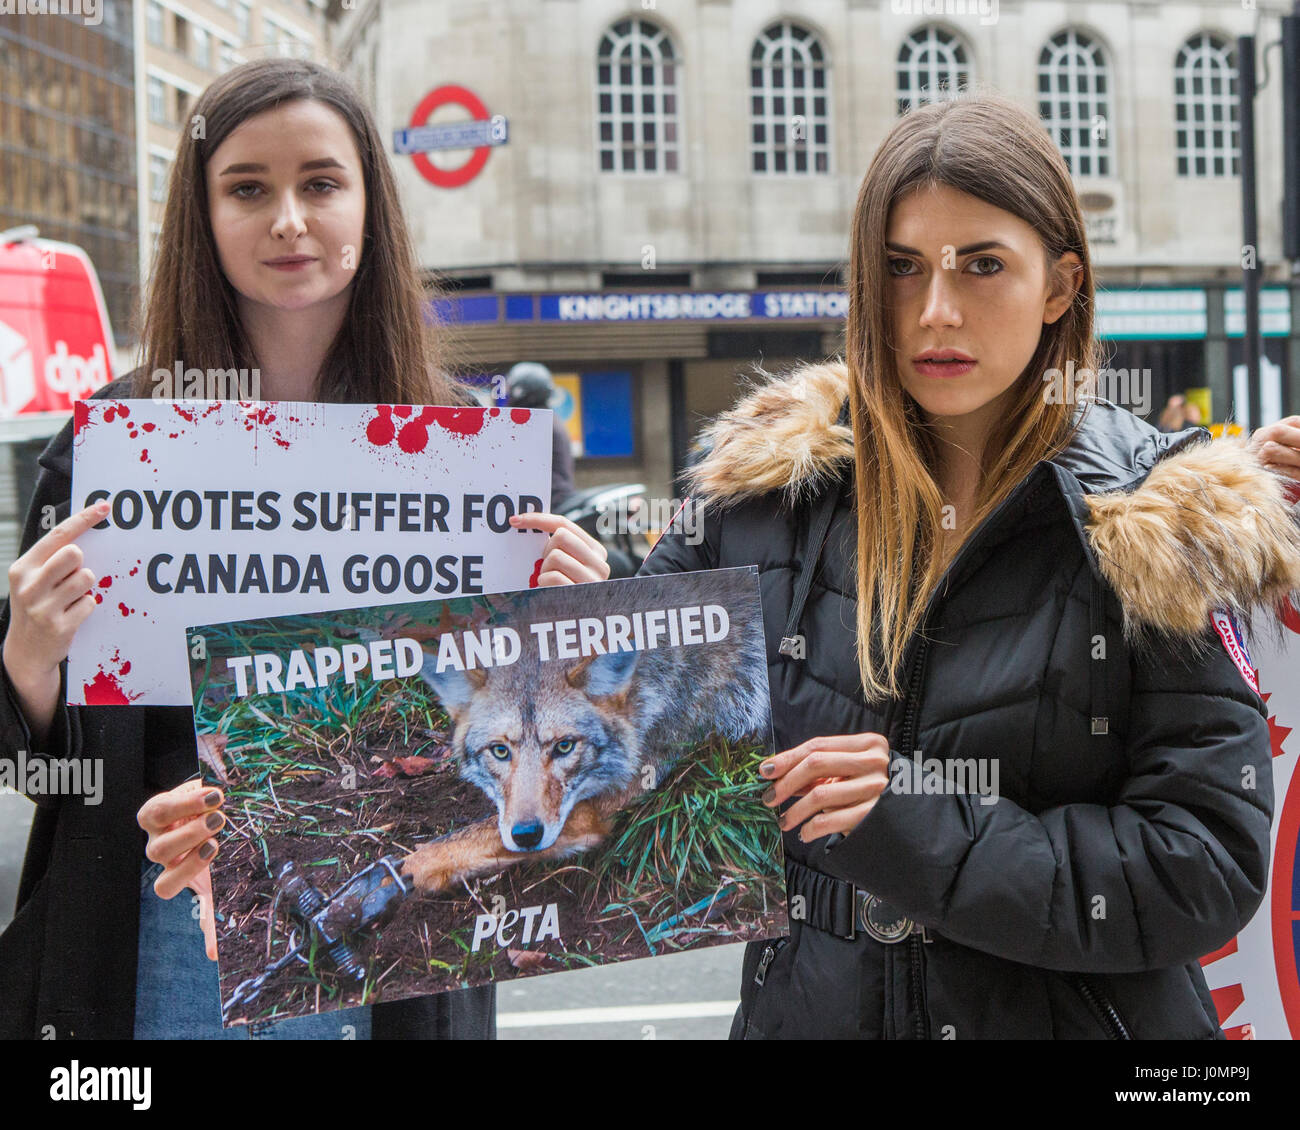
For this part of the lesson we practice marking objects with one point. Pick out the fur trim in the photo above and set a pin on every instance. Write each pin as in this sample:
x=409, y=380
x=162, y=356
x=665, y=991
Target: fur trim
x=781, y=436
x=1209, y=528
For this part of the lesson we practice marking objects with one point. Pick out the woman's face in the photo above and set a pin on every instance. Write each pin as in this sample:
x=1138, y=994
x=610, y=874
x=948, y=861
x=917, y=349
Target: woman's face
x=967, y=280
x=287, y=185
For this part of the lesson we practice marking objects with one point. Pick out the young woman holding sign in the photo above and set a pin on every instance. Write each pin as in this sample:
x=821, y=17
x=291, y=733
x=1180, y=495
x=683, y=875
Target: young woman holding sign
x=969, y=576
x=284, y=250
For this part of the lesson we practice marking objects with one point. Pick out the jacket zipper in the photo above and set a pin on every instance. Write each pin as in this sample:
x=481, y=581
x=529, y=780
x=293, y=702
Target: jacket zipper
x=760, y=975
x=909, y=740
x=1102, y=1008
x=913, y=692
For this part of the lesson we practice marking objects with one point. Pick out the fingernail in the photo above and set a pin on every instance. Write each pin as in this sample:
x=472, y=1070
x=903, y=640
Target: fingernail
x=767, y=768
x=209, y=799
x=215, y=820
x=770, y=795
x=208, y=850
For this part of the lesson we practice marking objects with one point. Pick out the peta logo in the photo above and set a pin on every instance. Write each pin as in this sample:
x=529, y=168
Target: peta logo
x=516, y=926
x=101, y=1084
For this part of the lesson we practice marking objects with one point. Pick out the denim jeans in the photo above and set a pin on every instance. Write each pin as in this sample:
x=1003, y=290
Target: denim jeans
x=178, y=996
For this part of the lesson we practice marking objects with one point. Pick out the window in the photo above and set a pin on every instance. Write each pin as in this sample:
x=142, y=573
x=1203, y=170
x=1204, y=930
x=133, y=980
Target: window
x=202, y=48
x=933, y=66
x=157, y=112
x=1074, y=101
x=157, y=177
x=788, y=102
x=636, y=92
x=183, y=98
x=1205, y=108
x=243, y=19
x=153, y=22
x=182, y=43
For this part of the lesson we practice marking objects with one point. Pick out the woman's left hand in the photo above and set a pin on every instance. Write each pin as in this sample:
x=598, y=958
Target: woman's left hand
x=1278, y=446
x=838, y=779
x=571, y=556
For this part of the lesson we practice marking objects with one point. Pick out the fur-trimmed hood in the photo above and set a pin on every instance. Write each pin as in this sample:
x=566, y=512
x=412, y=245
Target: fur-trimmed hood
x=1177, y=524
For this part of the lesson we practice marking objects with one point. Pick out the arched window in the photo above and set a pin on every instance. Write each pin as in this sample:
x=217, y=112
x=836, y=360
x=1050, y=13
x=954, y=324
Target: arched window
x=1206, y=140
x=1074, y=101
x=636, y=92
x=933, y=65
x=789, y=104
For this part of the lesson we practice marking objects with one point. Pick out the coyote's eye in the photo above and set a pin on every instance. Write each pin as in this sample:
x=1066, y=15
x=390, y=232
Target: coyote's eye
x=500, y=751
x=563, y=746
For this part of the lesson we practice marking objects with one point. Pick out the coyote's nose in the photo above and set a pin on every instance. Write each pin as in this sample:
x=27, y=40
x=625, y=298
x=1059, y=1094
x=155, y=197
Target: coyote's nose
x=527, y=836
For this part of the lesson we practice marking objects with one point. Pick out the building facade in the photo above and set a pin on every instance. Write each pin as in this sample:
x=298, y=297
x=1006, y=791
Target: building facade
x=68, y=140
x=673, y=195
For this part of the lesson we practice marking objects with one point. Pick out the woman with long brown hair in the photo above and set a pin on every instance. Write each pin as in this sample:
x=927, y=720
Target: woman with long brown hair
x=283, y=252
x=1023, y=785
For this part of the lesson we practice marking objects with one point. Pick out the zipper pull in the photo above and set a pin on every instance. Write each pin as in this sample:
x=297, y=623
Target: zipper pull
x=764, y=962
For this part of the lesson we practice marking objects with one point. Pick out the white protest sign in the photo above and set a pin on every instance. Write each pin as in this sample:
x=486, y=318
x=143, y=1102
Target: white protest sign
x=1253, y=979
x=228, y=510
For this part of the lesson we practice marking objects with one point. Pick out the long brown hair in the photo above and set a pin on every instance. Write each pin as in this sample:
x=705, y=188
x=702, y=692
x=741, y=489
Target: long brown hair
x=384, y=351
x=987, y=146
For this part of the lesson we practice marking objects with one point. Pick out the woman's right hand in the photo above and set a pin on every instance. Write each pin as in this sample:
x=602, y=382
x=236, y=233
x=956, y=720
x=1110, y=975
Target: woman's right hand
x=181, y=824
x=49, y=597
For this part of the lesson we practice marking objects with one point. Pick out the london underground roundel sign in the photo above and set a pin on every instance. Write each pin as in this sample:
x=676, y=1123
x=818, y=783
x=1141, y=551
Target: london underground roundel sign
x=481, y=134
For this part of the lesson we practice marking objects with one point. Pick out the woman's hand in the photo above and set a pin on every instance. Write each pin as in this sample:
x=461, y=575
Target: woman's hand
x=1278, y=446
x=49, y=597
x=837, y=778
x=181, y=823
x=571, y=556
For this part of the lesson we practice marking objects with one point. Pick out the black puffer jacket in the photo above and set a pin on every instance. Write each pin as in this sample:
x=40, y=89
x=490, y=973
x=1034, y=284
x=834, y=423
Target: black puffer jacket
x=1078, y=903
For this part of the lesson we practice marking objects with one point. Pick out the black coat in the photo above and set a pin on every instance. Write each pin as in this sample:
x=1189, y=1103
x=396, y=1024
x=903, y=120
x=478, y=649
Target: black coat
x=68, y=958
x=1078, y=903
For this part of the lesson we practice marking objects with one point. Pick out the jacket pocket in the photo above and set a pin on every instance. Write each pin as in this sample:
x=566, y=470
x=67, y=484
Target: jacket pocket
x=759, y=961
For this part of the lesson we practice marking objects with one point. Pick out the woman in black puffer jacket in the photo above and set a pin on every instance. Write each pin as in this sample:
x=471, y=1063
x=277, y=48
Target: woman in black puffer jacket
x=1040, y=576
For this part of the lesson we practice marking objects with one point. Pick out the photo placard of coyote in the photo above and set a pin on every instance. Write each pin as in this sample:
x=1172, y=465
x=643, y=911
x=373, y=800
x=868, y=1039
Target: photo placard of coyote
x=561, y=745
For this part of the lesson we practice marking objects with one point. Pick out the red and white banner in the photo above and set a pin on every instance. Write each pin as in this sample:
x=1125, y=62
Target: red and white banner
x=1253, y=979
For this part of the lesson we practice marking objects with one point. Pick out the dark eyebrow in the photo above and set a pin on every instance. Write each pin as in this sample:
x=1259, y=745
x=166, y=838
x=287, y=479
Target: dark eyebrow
x=969, y=249
x=319, y=163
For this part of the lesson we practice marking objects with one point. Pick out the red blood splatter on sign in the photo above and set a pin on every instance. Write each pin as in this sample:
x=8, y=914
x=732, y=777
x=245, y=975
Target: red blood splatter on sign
x=110, y=414
x=80, y=416
x=105, y=582
x=183, y=413
x=104, y=690
x=494, y=411
x=144, y=456
x=126, y=667
x=402, y=410
x=414, y=435
x=381, y=430
x=122, y=608
x=123, y=411
x=520, y=415
x=537, y=572
x=459, y=421
x=134, y=571
x=133, y=433
x=99, y=598
x=148, y=425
